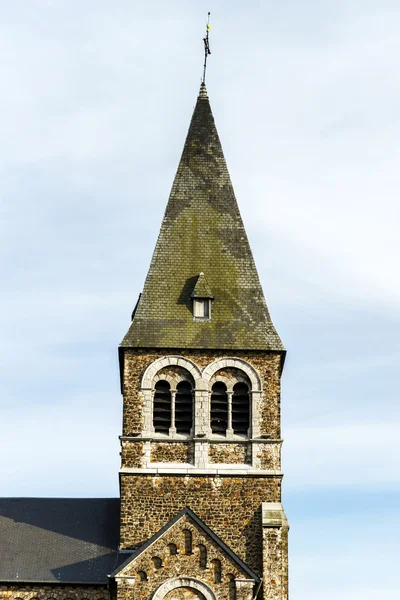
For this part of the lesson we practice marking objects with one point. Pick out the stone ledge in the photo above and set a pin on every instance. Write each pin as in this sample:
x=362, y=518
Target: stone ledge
x=185, y=440
x=193, y=471
x=273, y=515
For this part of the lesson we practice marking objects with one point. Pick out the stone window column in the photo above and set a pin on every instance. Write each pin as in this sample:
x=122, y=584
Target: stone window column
x=172, y=429
x=229, y=430
x=193, y=428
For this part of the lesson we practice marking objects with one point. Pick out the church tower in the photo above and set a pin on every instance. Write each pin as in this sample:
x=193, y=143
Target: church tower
x=200, y=479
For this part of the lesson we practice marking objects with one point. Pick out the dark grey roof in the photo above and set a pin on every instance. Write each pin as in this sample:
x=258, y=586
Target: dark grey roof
x=58, y=540
x=202, y=231
x=209, y=532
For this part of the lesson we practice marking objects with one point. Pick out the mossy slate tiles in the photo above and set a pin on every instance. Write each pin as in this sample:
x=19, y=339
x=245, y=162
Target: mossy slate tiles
x=202, y=289
x=202, y=231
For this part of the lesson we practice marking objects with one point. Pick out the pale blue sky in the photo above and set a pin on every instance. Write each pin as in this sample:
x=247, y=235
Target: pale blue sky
x=95, y=105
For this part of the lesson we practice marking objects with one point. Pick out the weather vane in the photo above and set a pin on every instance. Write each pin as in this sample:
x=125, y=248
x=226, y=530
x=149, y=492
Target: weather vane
x=207, y=50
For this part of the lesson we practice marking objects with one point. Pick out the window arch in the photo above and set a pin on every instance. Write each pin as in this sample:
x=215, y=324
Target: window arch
x=219, y=408
x=240, y=408
x=162, y=407
x=217, y=570
x=184, y=407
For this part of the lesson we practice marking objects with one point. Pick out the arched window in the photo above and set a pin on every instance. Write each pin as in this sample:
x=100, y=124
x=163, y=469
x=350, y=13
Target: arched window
x=202, y=556
x=188, y=541
x=183, y=407
x=157, y=562
x=231, y=586
x=219, y=408
x=162, y=407
x=173, y=550
x=142, y=575
x=240, y=408
x=216, y=565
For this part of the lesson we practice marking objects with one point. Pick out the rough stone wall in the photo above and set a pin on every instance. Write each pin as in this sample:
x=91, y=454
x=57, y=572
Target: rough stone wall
x=267, y=364
x=229, y=453
x=230, y=506
x=132, y=454
x=157, y=565
x=53, y=592
x=171, y=452
x=268, y=456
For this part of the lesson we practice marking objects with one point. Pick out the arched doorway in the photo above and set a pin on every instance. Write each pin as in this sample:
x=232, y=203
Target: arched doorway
x=184, y=593
x=184, y=588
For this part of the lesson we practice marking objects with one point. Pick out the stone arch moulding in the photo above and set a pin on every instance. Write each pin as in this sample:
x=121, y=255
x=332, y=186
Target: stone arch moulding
x=168, y=361
x=236, y=363
x=178, y=582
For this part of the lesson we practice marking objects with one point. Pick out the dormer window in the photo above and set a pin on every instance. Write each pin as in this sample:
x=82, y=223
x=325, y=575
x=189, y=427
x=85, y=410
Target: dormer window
x=202, y=298
x=201, y=308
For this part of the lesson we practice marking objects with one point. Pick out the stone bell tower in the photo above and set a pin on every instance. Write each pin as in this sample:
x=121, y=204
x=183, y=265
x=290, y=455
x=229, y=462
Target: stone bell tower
x=200, y=478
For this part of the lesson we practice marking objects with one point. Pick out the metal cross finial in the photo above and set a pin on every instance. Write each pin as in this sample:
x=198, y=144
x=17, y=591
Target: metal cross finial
x=207, y=50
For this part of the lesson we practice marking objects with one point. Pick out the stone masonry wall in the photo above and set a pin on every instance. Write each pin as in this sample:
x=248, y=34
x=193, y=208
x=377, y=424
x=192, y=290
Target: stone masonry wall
x=267, y=364
x=171, y=452
x=53, y=592
x=230, y=506
x=268, y=456
x=132, y=454
x=229, y=453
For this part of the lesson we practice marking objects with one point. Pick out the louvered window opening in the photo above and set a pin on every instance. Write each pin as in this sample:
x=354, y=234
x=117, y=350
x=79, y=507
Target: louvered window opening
x=184, y=407
x=240, y=408
x=162, y=407
x=219, y=408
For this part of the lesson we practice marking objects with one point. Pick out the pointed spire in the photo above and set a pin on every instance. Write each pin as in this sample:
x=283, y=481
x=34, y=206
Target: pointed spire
x=202, y=231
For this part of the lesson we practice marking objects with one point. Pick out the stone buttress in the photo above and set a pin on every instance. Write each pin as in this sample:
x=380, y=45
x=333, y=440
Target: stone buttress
x=200, y=478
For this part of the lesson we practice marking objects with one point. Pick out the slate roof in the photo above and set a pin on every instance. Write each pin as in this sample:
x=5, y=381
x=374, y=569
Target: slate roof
x=59, y=540
x=209, y=532
x=202, y=289
x=202, y=231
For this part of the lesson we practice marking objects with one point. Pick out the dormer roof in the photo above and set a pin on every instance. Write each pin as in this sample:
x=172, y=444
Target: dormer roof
x=202, y=289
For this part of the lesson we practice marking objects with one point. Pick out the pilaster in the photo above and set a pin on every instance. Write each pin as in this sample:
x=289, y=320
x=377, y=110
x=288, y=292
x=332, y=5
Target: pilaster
x=275, y=551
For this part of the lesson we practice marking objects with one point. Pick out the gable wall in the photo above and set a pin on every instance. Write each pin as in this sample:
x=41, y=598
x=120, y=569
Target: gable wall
x=180, y=563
